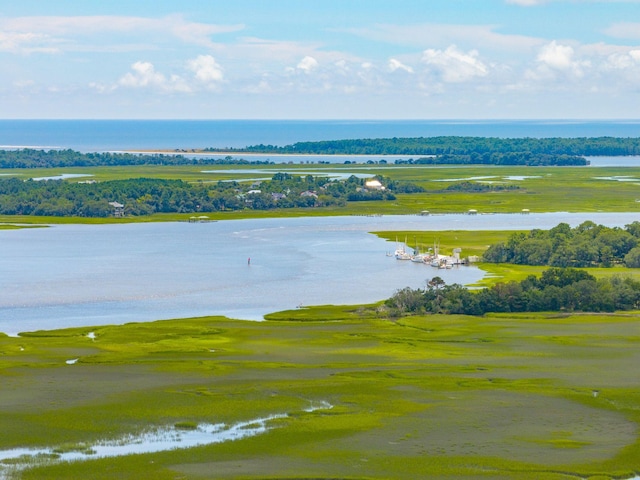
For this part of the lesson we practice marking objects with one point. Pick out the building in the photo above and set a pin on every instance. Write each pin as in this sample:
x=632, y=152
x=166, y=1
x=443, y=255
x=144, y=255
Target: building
x=118, y=209
x=373, y=185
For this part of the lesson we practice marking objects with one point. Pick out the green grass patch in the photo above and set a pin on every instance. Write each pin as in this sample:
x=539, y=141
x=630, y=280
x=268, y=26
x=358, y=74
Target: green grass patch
x=186, y=425
x=471, y=242
x=502, y=396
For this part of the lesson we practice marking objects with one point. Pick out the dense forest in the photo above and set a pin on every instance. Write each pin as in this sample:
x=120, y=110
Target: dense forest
x=498, y=158
x=32, y=158
x=429, y=150
x=448, y=145
x=146, y=196
x=557, y=289
x=587, y=245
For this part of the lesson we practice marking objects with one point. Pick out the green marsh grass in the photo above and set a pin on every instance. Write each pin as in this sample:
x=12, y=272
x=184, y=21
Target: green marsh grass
x=501, y=396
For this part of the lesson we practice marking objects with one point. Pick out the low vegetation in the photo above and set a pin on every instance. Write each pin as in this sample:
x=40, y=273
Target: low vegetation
x=518, y=396
x=480, y=187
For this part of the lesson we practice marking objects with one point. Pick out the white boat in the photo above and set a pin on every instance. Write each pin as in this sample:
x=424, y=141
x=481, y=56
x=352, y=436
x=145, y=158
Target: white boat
x=402, y=255
x=401, y=252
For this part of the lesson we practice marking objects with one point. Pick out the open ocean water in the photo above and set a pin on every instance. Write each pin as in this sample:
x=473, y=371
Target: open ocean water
x=108, y=135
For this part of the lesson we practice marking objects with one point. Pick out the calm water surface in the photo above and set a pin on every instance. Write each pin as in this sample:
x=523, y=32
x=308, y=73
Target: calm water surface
x=88, y=275
x=77, y=275
x=99, y=135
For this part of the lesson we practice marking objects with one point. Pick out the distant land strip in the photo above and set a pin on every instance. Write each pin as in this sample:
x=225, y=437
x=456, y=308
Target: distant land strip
x=432, y=150
x=454, y=145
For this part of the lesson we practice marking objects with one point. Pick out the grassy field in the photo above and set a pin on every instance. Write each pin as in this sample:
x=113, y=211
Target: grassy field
x=524, y=397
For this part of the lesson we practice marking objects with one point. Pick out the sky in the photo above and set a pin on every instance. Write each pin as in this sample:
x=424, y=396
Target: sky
x=320, y=59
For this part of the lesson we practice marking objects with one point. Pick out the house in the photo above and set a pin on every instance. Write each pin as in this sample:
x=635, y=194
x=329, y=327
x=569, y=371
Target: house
x=118, y=209
x=373, y=185
x=309, y=193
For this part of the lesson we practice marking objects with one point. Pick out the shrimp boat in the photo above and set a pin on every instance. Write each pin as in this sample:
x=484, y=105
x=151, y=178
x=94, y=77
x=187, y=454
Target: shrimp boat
x=423, y=257
x=401, y=252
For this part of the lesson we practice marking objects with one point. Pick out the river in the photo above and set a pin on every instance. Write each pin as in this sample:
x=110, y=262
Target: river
x=85, y=275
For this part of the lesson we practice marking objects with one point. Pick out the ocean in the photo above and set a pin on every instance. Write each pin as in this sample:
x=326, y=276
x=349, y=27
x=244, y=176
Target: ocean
x=113, y=135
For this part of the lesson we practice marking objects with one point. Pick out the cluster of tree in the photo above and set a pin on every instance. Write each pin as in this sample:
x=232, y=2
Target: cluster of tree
x=31, y=158
x=587, y=245
x=500, y=158
x=442, y=150
x=144, y=196
x=480, y=187
x=455, y=145
x=557, y=289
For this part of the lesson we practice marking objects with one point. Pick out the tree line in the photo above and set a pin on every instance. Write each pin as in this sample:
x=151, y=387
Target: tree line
x=501, y=158
x=441, y=150
x=146, y=196
x=458, y=145
x=32, y=158
x=587, y=245
x=557, y=289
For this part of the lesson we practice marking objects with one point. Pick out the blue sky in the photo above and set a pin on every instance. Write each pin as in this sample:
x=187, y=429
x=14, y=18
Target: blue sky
x=320, y=59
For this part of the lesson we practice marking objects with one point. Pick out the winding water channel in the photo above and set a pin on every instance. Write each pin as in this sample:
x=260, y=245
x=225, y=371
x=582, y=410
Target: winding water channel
x=156, y=440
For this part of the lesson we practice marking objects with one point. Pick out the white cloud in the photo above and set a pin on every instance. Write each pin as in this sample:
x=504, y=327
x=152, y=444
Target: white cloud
x=206, y=69
x=56, y=33
x=581, y=69
x=556, y=56
x=397, y=65
x=623, y=61
x=433, y=35
x=626, y=30
x=25, y=43
x=24, y=83
x=144, y=75
x=455, y=66
x=561, y=58
x=102, y=88
x=307, y=64
x=527, y=3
